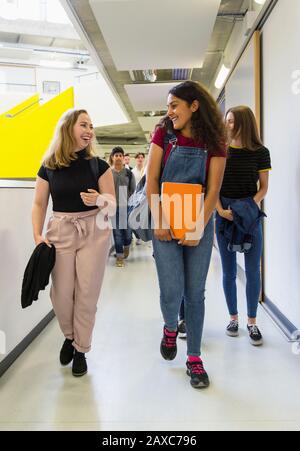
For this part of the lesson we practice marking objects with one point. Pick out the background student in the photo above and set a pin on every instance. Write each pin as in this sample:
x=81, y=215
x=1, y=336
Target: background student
x=127, y=161
x=139, y=169
x=124, y=186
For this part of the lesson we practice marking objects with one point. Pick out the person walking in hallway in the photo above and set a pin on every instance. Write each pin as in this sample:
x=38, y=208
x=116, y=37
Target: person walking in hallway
x=139, y=169
x=138, y=172
x=127, y=161
x=74, y=178
x=124, y=186
x=192, y=134
x=245, y=184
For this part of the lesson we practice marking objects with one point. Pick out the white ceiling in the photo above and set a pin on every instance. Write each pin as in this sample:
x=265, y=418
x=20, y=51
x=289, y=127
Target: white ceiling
x=148, y=123
x=156, y=34
x=149, y=97
x=99, y=101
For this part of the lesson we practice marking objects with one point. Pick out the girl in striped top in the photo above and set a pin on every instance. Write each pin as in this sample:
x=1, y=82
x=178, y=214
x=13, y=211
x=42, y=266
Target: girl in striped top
x=246, y=176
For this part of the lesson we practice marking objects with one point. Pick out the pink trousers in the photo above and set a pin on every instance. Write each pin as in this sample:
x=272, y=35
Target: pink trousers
x=81, y=255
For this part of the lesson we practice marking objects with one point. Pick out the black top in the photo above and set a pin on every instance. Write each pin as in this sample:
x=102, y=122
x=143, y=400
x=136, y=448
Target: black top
x=242, y=171
x=67, y=183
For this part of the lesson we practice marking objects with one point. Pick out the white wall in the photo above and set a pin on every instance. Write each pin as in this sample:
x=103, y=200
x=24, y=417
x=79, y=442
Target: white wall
x=16, y=85
x=90, y=90
x=66, y=78
x=17, y=75
x=240, y=88
x=19, y=83
x=16, y=246
x=281, y=130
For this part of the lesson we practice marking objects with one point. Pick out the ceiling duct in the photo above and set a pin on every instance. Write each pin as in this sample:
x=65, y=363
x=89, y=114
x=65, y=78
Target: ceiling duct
x=120, y=140
x=181, y=74
x=150, y=75
x=233, y=14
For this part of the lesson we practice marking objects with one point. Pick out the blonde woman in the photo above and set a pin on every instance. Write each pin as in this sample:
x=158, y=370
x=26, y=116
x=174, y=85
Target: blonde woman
x=78, y=192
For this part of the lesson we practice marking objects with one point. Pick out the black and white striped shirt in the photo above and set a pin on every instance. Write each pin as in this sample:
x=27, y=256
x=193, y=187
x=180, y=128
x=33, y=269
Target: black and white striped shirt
x=242, y=171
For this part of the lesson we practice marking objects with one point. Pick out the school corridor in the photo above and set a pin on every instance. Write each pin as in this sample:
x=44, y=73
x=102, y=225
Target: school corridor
x=130, y=387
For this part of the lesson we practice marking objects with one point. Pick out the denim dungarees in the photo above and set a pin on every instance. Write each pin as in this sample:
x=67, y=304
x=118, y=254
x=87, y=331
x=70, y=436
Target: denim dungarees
x=182, y=270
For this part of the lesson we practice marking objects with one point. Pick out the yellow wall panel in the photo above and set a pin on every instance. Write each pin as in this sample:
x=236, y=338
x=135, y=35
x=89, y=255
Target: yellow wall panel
x=26, y=137
x=28, y=105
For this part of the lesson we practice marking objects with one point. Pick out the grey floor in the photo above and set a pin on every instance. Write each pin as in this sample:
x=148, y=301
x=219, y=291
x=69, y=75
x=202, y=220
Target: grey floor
x=130, y=387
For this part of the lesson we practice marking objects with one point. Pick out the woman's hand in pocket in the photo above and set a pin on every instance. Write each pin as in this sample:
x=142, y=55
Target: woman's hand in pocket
x=226, y=214
x=258, y=203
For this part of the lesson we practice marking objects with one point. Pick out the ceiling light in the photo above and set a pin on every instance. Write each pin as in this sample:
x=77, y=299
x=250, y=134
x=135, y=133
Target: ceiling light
x=57, y=64
x=224, y=71
x=260, y=2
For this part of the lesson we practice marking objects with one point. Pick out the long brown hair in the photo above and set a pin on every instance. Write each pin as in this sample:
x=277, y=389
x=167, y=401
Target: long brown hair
x=245, y=126
x=61, y=151
x=207, y=122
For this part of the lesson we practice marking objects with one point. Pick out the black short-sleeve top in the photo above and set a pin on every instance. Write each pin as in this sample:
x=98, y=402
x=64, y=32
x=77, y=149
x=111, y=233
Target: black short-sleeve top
x=243, y=167
x=67, y=183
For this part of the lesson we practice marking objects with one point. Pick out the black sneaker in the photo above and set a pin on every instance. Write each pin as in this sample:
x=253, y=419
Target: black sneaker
x=197, y=373
x=255, y=336
x=181, y=329
x=168, y=346
x=79, y=367
x=233, y=328
x=66, y=352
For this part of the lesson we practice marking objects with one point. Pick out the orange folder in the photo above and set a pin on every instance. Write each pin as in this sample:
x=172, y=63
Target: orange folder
x=181, y=204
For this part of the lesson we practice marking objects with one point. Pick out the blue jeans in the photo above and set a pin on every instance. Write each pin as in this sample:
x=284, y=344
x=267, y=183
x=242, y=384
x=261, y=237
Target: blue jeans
x=252, y=267
x=122, y=236
x=181, y=311
x=182, y=271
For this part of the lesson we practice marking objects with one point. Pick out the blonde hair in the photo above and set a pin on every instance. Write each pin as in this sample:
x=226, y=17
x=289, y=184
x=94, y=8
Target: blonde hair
x=245, y=125
x=61, y=151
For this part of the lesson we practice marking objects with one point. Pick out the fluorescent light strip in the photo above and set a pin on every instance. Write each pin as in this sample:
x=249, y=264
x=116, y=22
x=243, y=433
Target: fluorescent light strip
x=224, y=71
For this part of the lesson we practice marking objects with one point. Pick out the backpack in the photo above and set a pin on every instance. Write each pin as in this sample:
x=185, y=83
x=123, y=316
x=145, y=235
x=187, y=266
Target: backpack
x=139, y=214
x=129, y=174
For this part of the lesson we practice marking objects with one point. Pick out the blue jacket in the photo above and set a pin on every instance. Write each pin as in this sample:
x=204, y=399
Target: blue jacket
x=240, y=232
